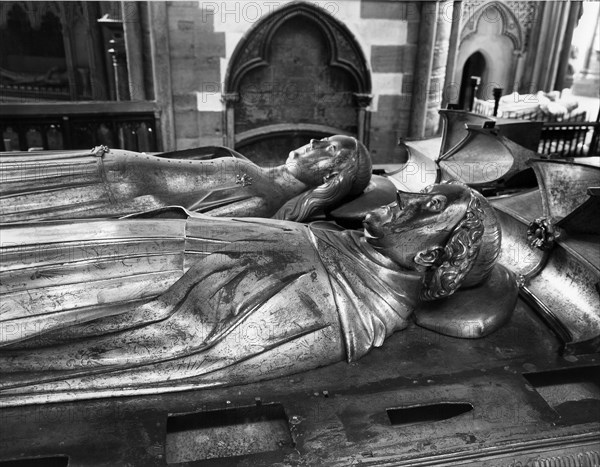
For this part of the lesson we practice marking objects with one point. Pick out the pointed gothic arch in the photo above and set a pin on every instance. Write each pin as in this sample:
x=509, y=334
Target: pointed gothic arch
x=495, y=11
x=299, y=71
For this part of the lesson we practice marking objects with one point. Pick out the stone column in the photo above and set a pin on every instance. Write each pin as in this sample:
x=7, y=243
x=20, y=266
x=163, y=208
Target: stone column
x=451, y=89
x=519, y=66
x=229, y=100
x=161, y=71
x=565, y=53
x=363, y=101
x=430, y=68
x=423, y=68
x=550, y=36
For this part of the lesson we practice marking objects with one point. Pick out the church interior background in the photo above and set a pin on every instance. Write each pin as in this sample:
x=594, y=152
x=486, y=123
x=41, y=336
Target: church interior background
x=261, y=77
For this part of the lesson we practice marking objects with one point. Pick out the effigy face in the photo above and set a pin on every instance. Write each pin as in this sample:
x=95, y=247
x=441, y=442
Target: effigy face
x=417, y=224
x=320, y=160
x=198, y=328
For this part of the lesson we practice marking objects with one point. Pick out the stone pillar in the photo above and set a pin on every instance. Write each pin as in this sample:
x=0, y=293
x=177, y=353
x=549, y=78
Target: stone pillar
x=430, y=69
x=519, y=67
x=550, y=35
x=565, y=53
x=423, y=67
x=229, y=100
x=363, y=101
x=451, y=89
x=161, y=71
x=590, y=53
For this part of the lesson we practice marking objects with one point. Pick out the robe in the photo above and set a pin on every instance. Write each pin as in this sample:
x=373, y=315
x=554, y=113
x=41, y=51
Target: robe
x=71, y=184
x=134, y=306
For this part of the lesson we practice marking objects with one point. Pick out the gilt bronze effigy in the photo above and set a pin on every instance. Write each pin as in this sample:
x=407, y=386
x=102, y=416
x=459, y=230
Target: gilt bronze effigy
x=112, y=183
x=133, y=306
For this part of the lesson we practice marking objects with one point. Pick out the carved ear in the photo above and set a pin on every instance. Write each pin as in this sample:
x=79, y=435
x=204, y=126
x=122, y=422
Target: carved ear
x=429, y=257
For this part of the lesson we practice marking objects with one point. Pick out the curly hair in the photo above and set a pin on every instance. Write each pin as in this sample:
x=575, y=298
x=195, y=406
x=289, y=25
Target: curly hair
x=351, y=180
x=458, y=256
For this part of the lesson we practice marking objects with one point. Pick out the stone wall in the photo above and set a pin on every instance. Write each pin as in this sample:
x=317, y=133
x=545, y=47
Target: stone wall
x=203, y=36
x=195, y=50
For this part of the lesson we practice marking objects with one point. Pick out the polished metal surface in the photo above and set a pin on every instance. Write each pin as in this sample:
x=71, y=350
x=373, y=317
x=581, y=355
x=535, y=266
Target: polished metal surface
x=564, y=185
x=484, y=159
x=561, y=277
x=418, y=172
x=526, y=133
x=217, y=181
x=380, y=191
x=454, y=126
x=338, y=415
x=136, y=306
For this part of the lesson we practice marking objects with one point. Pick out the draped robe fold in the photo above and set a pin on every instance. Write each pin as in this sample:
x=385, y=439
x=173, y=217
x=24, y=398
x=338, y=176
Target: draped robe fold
x=133, y=306
x=117, y=183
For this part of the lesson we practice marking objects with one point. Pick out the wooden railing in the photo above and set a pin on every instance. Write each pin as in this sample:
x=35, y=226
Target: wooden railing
x=570, y=139
x=122, y=125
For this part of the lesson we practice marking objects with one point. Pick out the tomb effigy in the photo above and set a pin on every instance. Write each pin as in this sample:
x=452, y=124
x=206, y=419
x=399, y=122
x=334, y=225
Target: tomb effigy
x=112, y=183
x=210, y=301
x=72, y=334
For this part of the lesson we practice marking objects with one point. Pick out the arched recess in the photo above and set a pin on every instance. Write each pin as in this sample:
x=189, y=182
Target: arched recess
x=494, y=31
x=474, y=66
x=297, y=74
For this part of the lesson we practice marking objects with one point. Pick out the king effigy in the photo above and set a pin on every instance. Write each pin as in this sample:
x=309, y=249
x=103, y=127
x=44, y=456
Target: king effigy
x=194, y=301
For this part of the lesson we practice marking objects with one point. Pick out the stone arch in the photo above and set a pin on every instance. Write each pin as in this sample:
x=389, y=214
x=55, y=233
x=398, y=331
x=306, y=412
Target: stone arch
x=495, y=32
x=493, y=12
x=277, y=90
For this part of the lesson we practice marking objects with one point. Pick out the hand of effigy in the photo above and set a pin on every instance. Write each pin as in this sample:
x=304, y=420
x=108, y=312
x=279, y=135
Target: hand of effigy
x=151, y=305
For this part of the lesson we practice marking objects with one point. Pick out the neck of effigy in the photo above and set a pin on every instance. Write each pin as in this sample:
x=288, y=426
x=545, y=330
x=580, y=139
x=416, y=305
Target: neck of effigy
x=377, y=256
x=282, y=177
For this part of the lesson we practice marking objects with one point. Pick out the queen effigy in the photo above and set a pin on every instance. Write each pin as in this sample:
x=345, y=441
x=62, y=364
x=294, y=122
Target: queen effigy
x=101, y=308
x=107, y=182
